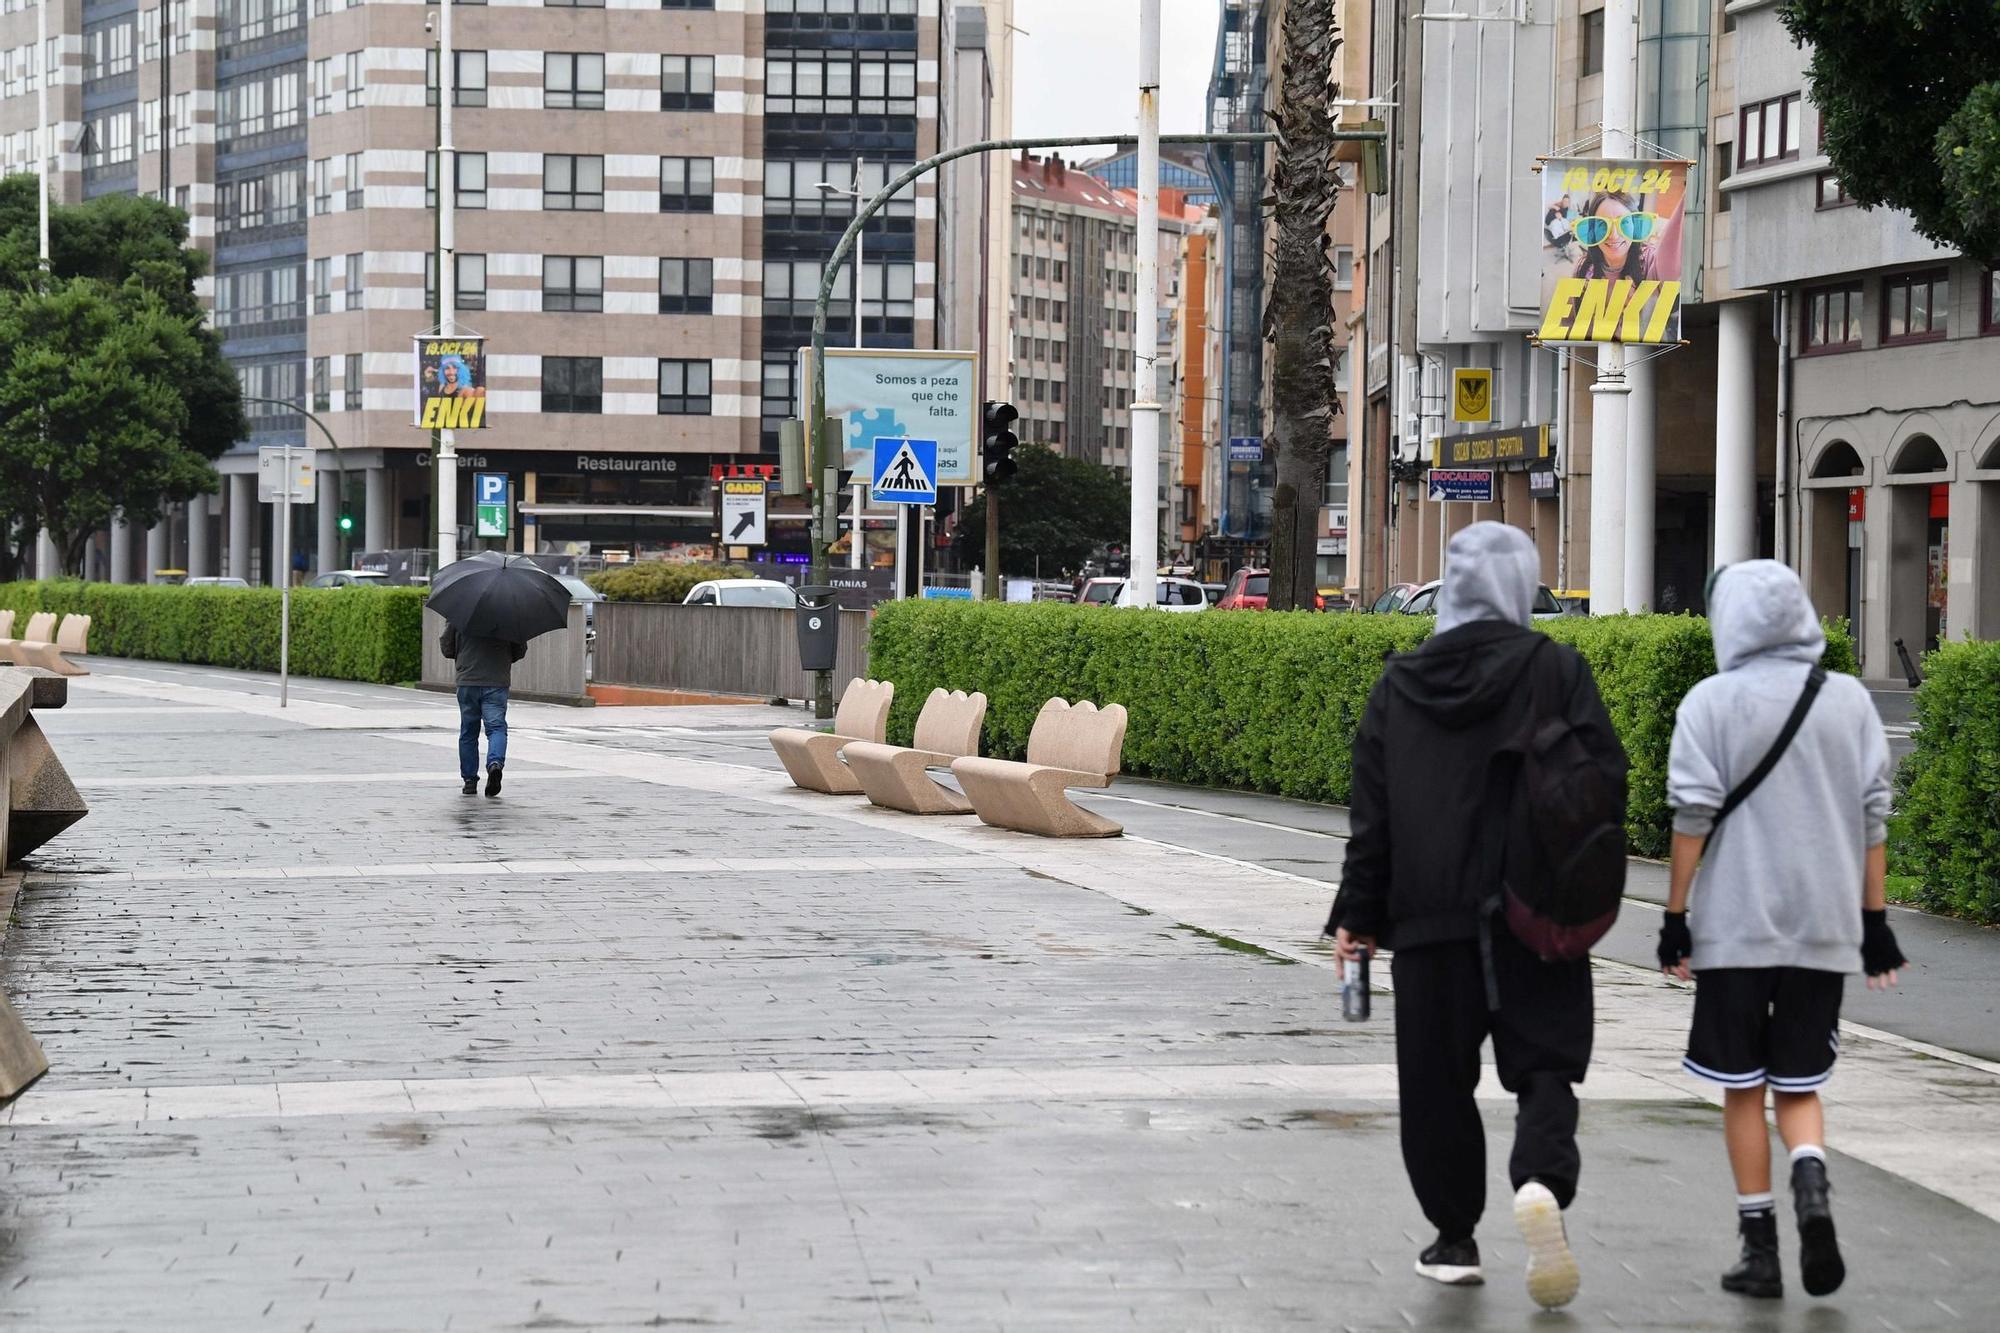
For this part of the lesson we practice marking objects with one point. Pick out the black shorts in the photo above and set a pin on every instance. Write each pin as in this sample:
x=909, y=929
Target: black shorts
x=1759, y=1025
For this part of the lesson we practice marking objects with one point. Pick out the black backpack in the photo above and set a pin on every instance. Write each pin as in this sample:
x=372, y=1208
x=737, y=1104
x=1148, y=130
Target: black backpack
x=1563, y=868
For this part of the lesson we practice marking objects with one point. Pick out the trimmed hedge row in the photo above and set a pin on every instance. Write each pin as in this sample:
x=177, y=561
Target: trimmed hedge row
x=1946, y=830
x=368, y=634
x=659, y=580
x=1263, y=701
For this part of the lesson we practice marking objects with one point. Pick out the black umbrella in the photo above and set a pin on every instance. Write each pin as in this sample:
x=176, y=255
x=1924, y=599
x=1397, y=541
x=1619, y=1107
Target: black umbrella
x=495, y=596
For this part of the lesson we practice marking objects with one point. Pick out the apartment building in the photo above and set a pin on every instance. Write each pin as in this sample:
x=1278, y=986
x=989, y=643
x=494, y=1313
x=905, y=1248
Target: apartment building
x=644, y=196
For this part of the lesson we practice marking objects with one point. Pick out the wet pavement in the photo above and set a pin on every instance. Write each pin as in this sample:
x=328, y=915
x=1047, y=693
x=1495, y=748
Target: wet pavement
x=655, y=1041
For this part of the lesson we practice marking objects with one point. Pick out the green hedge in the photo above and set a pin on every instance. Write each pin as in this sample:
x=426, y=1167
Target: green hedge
x=371, y=634
x=1263, y=701
x=659, y=580
x=1946, y=831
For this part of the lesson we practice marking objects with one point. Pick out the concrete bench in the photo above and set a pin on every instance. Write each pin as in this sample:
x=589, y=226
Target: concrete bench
x=44, y=643
x=896, y=777
x=1076, y=745
x=6, y=626
x=813, y=757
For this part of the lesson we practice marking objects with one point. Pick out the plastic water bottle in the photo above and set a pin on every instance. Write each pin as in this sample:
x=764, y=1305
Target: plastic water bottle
x=1354, y=987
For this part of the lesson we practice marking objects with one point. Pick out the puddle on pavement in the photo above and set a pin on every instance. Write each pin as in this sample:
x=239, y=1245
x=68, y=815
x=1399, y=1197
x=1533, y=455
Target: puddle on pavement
x=784, y=1124
x=1235, y=945
x=1322, y=1118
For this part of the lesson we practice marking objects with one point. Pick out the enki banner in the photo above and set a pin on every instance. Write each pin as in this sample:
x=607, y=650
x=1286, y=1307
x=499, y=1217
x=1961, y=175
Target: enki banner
x=451, y=383
x=1611, y=250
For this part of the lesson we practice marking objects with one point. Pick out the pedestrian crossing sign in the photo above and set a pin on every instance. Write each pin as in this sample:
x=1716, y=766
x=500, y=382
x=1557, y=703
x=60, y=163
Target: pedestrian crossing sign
x=905, y=472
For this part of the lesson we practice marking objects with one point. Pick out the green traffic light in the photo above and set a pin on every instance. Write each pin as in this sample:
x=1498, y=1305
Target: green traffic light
x=347, y=522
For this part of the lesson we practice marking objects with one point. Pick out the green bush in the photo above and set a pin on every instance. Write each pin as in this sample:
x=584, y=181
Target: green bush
x=370, y=634
x=1945, y=835
x=1263, y=701
x=659, y=580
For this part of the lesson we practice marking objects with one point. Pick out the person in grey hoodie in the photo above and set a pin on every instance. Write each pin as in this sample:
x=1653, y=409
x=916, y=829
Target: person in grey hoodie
x=1788, y=900
x=484, y=669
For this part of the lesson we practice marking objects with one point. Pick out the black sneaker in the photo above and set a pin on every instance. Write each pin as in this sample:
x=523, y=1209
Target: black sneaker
x=471, y=786
x=1821, y=1269
x=1757, y=1272
x=1452, y=1262
x=493, y=779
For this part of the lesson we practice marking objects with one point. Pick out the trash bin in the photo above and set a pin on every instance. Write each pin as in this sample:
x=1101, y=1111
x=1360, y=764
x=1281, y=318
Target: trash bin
x=819, y=628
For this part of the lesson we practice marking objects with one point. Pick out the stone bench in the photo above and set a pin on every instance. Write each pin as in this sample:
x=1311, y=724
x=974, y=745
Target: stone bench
x=1077, y=745
x=44, y=643
x=896, y=777
x=813, y=757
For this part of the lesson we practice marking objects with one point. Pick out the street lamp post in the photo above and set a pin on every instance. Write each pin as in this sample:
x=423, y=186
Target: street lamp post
x=860, y=491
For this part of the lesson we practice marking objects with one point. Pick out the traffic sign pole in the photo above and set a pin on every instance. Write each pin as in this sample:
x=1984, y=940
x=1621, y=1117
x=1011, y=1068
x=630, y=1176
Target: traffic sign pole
x=285, y=575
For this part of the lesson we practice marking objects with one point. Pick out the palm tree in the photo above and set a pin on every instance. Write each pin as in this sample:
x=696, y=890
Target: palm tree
x=1298, y=319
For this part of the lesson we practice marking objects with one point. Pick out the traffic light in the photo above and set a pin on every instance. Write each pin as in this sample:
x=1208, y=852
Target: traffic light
x=1000, y=442
x=346, y=521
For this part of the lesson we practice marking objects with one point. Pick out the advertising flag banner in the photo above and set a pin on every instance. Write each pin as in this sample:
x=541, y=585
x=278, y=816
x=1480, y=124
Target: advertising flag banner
x=1611, y=250
x=451, y=384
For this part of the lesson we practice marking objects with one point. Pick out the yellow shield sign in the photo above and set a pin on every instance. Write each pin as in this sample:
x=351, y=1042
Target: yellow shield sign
x=1472, y=395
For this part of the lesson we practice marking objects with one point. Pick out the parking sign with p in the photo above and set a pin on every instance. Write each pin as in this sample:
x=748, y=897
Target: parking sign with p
x=489, y=503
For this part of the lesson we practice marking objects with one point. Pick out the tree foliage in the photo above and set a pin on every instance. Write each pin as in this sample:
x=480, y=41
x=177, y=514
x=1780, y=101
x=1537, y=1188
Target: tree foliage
x=1298, y=320
x=113, y=394
x=1909, y=96
x=1053, y=514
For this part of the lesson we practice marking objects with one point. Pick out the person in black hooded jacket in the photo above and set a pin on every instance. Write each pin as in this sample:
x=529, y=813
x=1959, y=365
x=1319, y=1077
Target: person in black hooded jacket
x=1422, y=877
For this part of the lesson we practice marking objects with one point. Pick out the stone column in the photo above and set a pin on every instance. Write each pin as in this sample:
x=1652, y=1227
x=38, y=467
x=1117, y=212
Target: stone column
x=1736, y=434
x=1641, y=486
x=199, y=561
x=242, y=517
x=327, y=508
x=48, y=564
x=158, y=554
x=377, y=536
x=121, y=549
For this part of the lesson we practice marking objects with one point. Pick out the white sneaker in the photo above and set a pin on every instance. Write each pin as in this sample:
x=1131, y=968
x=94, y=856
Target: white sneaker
x=1552, y=1272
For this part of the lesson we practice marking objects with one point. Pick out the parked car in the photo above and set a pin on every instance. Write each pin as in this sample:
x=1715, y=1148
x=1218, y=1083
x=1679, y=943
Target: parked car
x=741, y=592
x=214, y=581
x=1169, y=594
x=1250, y=590
x=1423, y=602
x=1100, y=592
x=351, y=578
x=1392, y=598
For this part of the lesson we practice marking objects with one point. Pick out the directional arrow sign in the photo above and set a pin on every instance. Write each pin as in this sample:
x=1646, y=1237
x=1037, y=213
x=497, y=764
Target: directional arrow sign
x=905, y=472
x=743, y=511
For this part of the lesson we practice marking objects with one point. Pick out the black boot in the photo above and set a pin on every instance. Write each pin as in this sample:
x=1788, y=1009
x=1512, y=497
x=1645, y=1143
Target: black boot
x=1820, y=1266
x=1757, y=1272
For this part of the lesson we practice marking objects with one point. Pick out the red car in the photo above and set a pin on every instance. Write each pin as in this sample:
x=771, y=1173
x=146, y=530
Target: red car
x=1250, y=590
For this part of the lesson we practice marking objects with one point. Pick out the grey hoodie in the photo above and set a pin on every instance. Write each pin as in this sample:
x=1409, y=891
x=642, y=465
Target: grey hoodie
x=1780, y=884
x=1491, y=572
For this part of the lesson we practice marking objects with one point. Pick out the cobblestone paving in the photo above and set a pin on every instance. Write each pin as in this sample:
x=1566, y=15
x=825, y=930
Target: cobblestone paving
x=960, y=1130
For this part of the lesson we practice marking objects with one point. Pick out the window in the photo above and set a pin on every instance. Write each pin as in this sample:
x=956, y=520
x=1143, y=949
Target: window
x=468, y=78
x=355, y=193
x=288, y=106
x=356, y=93
x=687, y=4
x=572, y=183
x=322, y=89
x=322, y=390
x=574, y=4
x=573, y=81
x=1593, y=44
x=1832, y=319
x=792, y=287
x=572, y=384
x=687, y=286
x=1829, y=192
x=791, y=188
x=687, y=83
x=149, y=121
x=149, y=34
x=1725, y=165
x=351, y=386
x=242, y=110
x=1056, y=352
x=354, y=293
x=322, y=286
x=1768, y=131
x=1916, y=307
x=468, y=293
x=1343, y=267
x=687, y=185
x=322, y=186
x=572, y=282
x=684, y=388
x=1041, y=268
x=471, y=171
x=778, y=397
x=840, y=83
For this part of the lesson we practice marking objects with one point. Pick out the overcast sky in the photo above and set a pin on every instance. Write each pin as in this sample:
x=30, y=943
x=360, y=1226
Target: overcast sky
x=1076, y=70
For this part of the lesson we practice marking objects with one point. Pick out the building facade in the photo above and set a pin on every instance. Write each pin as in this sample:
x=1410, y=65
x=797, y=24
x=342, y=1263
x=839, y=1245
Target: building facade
x=645, y=196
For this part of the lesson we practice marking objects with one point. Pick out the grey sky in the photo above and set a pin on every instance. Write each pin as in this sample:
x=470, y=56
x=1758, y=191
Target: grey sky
x=1077, y=69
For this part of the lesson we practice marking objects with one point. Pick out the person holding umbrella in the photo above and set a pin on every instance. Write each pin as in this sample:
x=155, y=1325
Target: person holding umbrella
x=492, y=605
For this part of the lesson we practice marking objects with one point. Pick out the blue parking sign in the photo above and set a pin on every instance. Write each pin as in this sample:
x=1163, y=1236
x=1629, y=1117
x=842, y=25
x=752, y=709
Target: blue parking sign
x=489, y=488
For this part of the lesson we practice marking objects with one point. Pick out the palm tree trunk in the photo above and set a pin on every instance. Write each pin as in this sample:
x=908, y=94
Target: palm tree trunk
x=1299, y=319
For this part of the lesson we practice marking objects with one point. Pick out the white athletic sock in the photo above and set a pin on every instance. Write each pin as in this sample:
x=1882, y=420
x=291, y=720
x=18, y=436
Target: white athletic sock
x=1749, y=1205
x=1808, y=1150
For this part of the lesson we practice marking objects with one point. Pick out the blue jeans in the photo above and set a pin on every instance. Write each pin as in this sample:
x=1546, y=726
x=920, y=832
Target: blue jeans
x=476, y=704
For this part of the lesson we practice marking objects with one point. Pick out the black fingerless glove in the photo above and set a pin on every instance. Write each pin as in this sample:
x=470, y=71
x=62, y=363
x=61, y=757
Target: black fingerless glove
x=1675, y=941
x=1879, y=952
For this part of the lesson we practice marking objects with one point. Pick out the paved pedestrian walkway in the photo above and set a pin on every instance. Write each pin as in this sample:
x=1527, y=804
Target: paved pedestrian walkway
x=655, y=1041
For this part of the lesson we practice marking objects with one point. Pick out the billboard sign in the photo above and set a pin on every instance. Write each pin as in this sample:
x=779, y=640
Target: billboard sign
x=1246, y=448
x=1611, y=250
x=1461, y=485
x=895, y=395
x=745, y=513
x=451, y=384
x=1521, y=447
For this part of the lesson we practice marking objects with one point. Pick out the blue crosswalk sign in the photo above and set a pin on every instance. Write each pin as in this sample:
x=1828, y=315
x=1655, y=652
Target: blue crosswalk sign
x=905, y=472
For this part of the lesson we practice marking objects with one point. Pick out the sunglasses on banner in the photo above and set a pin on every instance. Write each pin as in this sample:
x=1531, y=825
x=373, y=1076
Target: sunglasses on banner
x=1594, y=230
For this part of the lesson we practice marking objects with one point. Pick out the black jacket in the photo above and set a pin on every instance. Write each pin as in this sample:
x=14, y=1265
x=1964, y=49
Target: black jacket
x=481, y=663
x=1425, y=795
